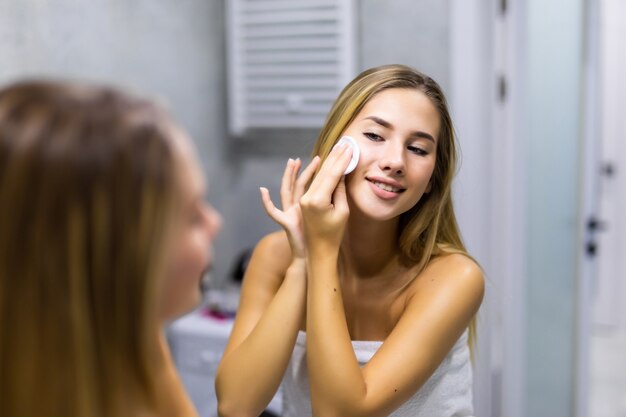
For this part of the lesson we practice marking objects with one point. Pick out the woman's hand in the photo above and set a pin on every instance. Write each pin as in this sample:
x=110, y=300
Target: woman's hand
x=324, y=206
x=292, y=188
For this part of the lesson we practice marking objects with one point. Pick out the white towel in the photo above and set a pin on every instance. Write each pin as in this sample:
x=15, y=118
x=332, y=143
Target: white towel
x=447, y=393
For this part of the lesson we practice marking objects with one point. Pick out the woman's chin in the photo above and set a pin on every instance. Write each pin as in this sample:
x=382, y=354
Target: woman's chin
x=182, y=307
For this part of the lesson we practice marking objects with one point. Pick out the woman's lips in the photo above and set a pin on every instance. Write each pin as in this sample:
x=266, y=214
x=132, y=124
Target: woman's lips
x=384, y=190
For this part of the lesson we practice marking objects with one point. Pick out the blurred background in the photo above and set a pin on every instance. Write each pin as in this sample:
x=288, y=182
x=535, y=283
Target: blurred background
x=539, y=103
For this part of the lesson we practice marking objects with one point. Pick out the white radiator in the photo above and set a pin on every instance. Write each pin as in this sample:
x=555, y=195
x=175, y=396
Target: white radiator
x=288, y=60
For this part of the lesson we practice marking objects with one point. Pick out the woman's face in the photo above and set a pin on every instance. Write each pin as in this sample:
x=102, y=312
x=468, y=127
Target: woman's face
x=397, y=134
x=195, y=226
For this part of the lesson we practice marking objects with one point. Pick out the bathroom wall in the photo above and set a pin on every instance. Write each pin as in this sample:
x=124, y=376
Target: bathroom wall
x=173, y=50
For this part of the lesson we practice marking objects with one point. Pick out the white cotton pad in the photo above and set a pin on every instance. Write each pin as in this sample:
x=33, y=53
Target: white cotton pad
x=355, y=152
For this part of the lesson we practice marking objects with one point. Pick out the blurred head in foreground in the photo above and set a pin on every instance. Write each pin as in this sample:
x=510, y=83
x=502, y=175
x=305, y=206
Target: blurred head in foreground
x=104, y=236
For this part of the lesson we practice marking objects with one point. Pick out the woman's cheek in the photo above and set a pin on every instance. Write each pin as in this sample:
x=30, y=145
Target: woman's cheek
x=194, y=257
x=181, y=291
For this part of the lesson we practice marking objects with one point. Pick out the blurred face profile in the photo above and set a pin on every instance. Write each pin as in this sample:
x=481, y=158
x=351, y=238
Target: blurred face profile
x=195, y=226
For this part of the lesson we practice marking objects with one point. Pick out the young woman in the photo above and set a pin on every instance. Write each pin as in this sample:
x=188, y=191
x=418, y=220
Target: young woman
x=104, y=236
x=364, y=303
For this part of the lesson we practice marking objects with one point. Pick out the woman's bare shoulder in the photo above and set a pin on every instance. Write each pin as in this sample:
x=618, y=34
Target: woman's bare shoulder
x=273, y=251
x=269, y=261
x=456, y=262
x=452, y=271
x=275, y=241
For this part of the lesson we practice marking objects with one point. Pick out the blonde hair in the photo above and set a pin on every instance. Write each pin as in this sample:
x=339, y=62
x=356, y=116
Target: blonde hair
x=429, y=228
x=87, y=189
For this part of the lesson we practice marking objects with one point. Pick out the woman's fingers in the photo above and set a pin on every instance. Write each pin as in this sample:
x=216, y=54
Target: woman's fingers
x=331, y=172
x=340, y=201
x=271, y=210
x=305, y=178
x=286, y=184
x=297, y=164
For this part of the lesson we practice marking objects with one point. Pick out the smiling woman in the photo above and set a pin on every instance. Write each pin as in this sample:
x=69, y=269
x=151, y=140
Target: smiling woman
x=364, y=304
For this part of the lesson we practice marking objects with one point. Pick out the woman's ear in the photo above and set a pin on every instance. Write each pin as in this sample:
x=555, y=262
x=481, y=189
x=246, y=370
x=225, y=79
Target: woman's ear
x=428, y=187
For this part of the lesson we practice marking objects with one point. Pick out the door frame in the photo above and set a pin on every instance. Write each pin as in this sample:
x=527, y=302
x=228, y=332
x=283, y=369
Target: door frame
x=588, y=206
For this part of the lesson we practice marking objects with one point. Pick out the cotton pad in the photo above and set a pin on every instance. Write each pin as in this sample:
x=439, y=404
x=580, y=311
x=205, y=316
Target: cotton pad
x=355, y=152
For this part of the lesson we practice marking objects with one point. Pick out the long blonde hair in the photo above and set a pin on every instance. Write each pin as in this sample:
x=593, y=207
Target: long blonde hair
x=429, y=228
x=86, y=193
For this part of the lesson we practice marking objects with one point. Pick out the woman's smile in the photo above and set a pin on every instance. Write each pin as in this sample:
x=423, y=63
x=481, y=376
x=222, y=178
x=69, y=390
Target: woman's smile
x=386, y=189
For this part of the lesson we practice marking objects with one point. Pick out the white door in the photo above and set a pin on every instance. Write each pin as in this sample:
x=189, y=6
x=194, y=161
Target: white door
x=602, y=362
x=609, y=288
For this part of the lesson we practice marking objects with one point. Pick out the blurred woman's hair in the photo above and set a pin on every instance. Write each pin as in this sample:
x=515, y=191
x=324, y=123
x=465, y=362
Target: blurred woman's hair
x=87, y=189
x=430, y=228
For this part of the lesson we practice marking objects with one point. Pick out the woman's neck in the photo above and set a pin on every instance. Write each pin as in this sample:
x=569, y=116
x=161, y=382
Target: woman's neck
x=173, y=399
x=370, y=247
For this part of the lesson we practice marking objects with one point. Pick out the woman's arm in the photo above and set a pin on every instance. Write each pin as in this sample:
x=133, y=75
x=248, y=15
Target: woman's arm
x=265, y=329
x=271, y=308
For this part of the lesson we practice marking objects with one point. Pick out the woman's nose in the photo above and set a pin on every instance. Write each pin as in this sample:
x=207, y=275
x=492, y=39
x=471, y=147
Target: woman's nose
x=392, y=159
x=214, y=221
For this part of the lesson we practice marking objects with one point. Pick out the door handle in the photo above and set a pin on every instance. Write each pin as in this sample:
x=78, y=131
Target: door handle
x=596, y=225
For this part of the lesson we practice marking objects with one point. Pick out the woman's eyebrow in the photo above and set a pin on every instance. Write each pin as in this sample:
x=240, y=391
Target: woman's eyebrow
x=380, y=121
x=386, y=124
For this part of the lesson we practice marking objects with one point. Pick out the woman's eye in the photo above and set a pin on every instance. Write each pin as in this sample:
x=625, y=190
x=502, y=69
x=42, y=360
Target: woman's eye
x=373, y=136
x=416, y=150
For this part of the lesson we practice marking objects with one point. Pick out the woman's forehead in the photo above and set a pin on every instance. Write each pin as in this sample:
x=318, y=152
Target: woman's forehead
x=403, y=108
